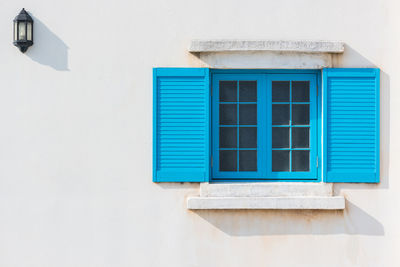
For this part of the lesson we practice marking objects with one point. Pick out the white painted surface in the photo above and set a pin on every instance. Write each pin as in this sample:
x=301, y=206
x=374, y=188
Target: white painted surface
x=300, y=46
x=76, y=138
x=270, y=189
x=266, y=203
x=265, y=60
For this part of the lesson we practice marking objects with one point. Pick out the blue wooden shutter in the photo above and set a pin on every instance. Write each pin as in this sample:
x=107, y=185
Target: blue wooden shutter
x=351, y=125
x=181, y=125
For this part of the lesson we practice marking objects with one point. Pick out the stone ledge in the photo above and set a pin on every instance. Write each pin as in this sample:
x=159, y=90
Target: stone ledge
x=266, y=60
x=270, y=203
x=301, y=46
x=270, y=189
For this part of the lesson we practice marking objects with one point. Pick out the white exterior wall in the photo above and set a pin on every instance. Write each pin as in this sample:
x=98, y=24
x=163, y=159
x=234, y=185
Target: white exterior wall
x=76, y=138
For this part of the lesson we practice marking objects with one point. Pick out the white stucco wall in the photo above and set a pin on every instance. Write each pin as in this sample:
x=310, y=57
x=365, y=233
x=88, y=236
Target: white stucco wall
x=76, y=138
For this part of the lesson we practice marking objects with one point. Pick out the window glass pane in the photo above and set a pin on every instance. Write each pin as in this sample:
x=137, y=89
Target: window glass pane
x=228, y=137
x=248, y=114
x=248, y=137
x=228, y=91
x=300, y=160
x=238, y=134
x=300, y=91
x=280, y=91
x=248, y=91
x=280, y=137
x=227, y=114
x=227, y=160
x=280, y=160
x=280, y=114
x=300, y=114
x=247, y=160
x=300, y=137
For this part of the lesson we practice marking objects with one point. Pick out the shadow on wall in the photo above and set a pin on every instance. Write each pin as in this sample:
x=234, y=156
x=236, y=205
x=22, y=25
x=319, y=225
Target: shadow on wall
x=48, y=48
x=352, y=59
x=352, y=221
x=349, y=59
x=385, y=129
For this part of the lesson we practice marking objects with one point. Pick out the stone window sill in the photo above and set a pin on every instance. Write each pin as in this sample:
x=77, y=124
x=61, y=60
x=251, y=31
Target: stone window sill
x=266, y=196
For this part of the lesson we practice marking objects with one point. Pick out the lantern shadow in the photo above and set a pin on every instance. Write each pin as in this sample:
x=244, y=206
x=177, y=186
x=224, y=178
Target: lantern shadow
x=48, y=49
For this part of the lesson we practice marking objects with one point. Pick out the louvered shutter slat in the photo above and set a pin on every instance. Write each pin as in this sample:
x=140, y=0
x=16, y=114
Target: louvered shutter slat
x=351, y=125
x=181, y=125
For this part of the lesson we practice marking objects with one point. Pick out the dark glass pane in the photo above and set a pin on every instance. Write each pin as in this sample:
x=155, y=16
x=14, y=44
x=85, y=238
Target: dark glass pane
x=228, y=137
x=300, y=91
x=280, y=91
x=280, y=114
x=248, y=160
x=228, y=91
x=300, y=137
x=248, y=91
x=300, y=114
x=248, y=137
x=227, y=114
x=280, y=137
x=280, y=160
x=228, y=160
x=300, y=160
x=248, y=114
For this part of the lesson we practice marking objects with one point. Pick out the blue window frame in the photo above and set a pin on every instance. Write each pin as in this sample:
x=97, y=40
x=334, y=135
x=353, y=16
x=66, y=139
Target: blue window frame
x=256, y=145
x=239, y=139
x=292, y=139
x=265, y=125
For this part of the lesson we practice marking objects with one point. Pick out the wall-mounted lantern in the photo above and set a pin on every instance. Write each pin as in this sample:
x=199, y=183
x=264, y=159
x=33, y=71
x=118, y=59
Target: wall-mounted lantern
x=23, y=31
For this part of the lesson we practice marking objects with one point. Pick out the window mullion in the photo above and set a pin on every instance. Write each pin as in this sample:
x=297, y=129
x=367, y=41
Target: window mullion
x=290, y=127
x=237, y=126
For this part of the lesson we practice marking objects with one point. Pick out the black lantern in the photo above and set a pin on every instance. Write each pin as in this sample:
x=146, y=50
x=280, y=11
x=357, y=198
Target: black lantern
x=23, y=31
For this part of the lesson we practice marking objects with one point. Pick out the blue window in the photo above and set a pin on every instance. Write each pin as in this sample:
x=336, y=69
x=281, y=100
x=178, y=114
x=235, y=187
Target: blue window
x=239, y=136
x=264, y=126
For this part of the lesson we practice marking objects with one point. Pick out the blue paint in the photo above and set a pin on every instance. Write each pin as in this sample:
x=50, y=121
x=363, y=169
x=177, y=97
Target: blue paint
x=319, y=120
x=181, y=125
x=264, y=137
x=181, y=153
x=264, y=71
x=261, y=137
x=351, y=125
x=312, y=174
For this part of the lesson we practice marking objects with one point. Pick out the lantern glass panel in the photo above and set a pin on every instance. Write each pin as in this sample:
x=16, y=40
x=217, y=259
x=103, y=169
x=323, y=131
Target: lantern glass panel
x=15, y=31
x=29, y=31
x=21, y=31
